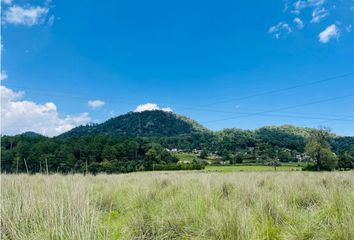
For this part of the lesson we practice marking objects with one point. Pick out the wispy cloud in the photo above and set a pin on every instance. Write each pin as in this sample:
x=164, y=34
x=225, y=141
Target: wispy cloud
x=319, y=10
x=50, y=20
x=151, y=107
x=27, y=16
x=330, y=32
x=94, y=104
x=318, y=14
x=299, y=5
x=281, y=29
x=299, y=23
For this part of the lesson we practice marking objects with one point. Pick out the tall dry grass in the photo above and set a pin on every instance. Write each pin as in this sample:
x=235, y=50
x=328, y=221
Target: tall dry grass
x=179, y=205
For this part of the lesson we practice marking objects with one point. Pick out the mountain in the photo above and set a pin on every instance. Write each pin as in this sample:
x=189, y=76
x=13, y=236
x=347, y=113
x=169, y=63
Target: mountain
x=176, y=131
x=140, y=124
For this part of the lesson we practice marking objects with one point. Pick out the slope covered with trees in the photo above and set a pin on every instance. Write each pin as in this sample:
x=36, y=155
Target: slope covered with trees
x=140, y=124
x=142, y=141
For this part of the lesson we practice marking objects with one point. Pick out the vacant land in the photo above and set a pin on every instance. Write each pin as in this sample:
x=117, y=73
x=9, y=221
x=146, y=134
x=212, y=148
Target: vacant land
x=179, y=205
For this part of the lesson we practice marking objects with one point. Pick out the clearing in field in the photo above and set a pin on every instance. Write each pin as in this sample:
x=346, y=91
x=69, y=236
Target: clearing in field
x=179, y=205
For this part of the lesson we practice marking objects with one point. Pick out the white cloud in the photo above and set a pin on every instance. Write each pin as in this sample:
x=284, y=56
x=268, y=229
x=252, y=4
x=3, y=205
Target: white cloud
x=318, y=14
x=281, y=29
x=299, y=23
x=151, y=107
x=50, y=20
x=299, y=5
x=27, y=16
x=19, y=116
x=320, y=10
x=315, y=3
x=3, y=75
x=94, y=104
x=330, y=32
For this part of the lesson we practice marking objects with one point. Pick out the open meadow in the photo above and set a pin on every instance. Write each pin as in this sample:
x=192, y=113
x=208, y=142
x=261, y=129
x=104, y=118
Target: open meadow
x=179, y=205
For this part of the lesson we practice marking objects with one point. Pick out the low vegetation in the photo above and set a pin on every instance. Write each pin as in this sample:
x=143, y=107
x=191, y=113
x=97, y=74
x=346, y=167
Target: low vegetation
x=179, y=205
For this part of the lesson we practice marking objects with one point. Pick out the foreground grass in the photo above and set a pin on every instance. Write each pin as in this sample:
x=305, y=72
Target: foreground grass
x=179, y=205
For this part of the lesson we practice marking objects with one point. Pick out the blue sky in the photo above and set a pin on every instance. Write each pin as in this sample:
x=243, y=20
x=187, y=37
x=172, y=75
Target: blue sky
x=66, y=63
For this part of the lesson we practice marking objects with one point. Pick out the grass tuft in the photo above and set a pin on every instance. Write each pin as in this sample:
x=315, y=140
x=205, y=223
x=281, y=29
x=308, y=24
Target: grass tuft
x=179, y=205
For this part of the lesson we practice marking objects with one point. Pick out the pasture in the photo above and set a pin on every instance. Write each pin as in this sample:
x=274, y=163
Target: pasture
x=179, y=205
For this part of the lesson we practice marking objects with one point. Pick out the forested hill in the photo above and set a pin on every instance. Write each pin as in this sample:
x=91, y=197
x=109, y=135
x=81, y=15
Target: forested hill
x=175, y=131
x=142, y=141
x=140, y=124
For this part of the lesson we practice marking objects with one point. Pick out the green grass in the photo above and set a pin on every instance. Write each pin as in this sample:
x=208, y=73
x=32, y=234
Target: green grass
x=179, y=205
x=185, y=156
x=251, y=168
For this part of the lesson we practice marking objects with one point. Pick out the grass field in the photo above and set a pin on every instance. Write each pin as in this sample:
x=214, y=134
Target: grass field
x=179, y=205
x=251, y=168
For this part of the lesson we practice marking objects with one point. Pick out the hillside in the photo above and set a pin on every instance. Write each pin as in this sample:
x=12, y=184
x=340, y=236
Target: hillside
x=140, y=124
x=142, y=141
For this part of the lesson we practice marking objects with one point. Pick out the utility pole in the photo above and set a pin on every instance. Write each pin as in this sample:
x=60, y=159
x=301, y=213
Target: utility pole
x=24, y=159
x=46, y=165
x=17, y=165
x=85, y=169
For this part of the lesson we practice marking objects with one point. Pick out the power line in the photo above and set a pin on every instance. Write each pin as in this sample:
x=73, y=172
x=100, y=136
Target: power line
x=330, y=120
x=281, y=89
x=215, y=103
x=214, y=110
x=285, y=108
x=39, y=92
x=273, y=115
x=245, y=114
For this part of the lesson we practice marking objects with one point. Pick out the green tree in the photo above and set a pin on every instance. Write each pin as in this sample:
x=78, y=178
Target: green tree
x=318, y=148
x=345, y=161
x=284, y=155
x=203, y=154
x=237, y=158
x=109, y=153
x=274, y=163
x=94, y=168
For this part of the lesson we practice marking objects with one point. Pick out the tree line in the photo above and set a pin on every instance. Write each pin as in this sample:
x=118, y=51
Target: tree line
x=269, y=145
x=80, y=155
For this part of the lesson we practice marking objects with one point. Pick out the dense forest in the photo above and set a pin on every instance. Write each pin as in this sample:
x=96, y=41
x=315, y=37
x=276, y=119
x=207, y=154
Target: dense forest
x=147, y=140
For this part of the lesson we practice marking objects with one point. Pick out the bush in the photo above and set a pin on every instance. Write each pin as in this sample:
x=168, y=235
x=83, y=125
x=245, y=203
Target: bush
x=310, y=167
x=185, y=166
